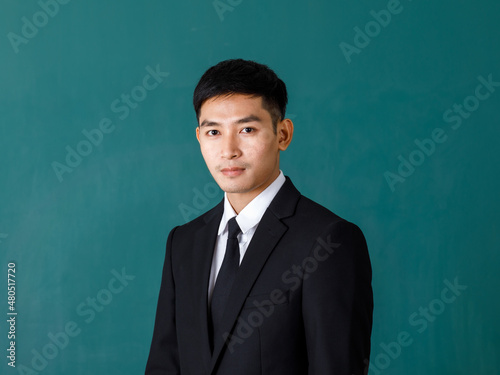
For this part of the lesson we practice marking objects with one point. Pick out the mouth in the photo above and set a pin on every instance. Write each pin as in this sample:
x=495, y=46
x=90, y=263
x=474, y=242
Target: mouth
x=232, y=171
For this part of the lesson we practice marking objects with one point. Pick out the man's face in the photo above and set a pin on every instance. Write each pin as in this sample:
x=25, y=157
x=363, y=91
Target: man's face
x=238, y=143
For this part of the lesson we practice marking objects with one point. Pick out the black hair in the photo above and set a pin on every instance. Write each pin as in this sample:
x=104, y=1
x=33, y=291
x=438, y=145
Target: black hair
x=243, y=77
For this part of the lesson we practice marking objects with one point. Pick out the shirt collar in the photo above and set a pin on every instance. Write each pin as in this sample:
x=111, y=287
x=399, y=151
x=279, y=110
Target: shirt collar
x=252, y=213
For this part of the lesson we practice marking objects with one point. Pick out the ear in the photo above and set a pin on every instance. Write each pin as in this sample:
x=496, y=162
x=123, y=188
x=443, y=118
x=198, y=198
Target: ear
x=284, y=131
x=198, y=133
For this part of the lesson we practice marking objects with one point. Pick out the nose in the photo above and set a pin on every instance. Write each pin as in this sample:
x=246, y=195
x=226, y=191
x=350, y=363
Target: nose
x=230, y=147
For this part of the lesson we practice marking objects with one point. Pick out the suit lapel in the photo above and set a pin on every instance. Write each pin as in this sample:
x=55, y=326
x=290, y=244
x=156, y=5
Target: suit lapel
x=204, y=245
x=265, y=239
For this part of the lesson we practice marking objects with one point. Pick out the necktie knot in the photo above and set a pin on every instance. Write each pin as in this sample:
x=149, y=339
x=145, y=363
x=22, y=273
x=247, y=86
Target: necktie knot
x=234, y=228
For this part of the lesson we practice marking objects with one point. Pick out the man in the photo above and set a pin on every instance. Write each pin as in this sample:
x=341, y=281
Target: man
x=266, y=282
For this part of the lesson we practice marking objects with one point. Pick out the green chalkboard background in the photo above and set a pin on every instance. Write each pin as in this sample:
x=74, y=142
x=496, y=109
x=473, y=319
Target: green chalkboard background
x=396, y=109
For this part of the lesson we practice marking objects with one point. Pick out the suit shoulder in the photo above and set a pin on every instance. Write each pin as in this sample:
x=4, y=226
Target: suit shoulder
x=310, y=208
x=320, y=215
x=200, y=220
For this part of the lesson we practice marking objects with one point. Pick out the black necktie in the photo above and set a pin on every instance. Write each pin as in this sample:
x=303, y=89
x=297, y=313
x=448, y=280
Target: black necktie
x=226, y=276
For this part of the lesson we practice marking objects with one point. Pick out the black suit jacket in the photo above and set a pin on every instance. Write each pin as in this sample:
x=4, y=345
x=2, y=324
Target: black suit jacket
x=301, y=302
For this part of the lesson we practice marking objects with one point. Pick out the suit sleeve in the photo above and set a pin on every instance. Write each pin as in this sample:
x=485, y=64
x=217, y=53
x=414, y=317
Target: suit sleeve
x=338, y=303
x=163, y=355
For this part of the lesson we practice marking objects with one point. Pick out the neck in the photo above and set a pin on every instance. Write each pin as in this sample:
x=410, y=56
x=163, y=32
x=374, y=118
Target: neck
x=240, y=200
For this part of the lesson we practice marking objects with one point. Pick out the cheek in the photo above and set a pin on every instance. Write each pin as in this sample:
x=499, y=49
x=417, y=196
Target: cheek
x=263, y=152
x=259, y=147
x=208, y=155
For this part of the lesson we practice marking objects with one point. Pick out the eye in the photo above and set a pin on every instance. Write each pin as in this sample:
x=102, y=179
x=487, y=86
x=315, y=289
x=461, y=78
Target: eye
x=248, y=130
x=212, y=132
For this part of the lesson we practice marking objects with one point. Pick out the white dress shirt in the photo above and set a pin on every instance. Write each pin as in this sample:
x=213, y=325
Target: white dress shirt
x=248, y=220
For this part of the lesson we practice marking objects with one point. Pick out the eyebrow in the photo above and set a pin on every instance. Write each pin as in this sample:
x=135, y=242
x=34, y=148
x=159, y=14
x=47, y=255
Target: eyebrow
x=244, y=120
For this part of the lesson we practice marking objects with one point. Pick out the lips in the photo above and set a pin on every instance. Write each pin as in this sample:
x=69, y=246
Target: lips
x=232, y=171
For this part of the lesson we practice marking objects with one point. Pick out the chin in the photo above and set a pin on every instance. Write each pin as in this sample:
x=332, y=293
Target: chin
x=234, y=189
x=229, y=187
